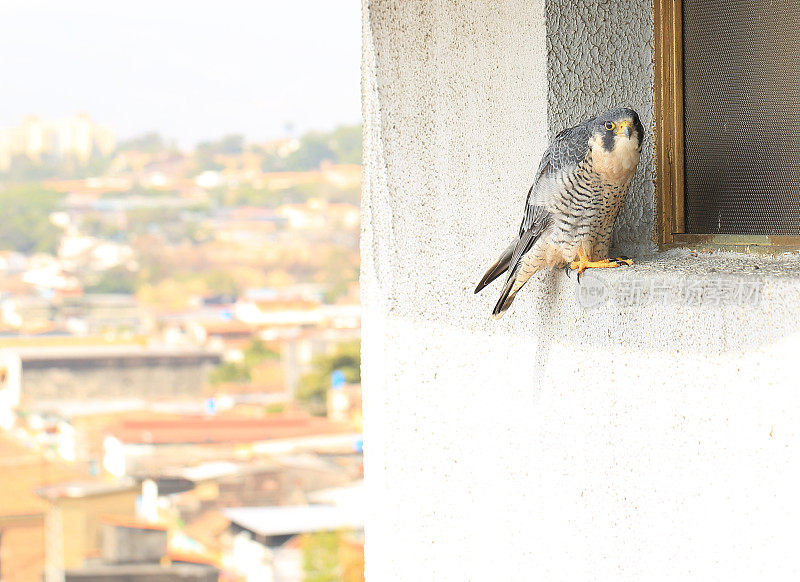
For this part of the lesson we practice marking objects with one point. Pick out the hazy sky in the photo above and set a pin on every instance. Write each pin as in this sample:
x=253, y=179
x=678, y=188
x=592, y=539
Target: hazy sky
x=191, y=70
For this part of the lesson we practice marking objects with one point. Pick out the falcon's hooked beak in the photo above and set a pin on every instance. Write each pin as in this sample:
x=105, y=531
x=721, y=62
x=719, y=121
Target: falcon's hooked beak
x=625, y=127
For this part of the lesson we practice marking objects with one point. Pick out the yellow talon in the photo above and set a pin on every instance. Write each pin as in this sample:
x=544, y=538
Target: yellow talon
x=584, y=263
x=604, y=264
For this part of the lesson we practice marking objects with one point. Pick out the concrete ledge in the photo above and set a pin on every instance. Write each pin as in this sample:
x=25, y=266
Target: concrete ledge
x=680, y=301
x=699, y=311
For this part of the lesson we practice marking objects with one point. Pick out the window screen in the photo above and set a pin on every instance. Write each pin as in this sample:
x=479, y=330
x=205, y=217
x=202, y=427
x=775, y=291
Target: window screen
x=741, y=69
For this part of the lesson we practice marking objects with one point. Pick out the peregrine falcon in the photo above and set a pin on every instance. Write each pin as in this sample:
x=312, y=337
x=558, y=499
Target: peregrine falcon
x=576, y=195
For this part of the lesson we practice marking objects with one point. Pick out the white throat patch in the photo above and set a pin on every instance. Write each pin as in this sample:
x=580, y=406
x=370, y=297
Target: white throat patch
x=619, y=164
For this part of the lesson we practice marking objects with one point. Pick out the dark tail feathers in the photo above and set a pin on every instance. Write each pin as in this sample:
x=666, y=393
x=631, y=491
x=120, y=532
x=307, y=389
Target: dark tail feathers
x=500, y=267
x=506, y=297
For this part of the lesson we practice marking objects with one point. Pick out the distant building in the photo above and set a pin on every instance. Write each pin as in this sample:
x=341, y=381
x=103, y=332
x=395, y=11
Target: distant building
x=27, y=310
x=337, y=175
x=245, y=225
x=280, y=311
x=73, y=522
x=317, y=213
x=344, y=403
x=281, y=480
x=270, y=525
x=51, y=277
x=280, y=147
x=150, y=572
x=77, y=250
x=12, y=262
x=134, y=447
x=263, y=538
x=94, y=533
x=43, y=378
x=222, y=333
x=74, y=136
x=341, y=175
x=90, y=314
x=299, y=350
x=94, y=314
x=22, y=512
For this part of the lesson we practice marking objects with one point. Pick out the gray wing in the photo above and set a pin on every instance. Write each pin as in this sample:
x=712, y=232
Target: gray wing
x=569, y=147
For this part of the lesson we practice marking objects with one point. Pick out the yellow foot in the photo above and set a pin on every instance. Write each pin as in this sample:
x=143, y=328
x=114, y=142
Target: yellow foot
x=584, y=263
x=604, y=264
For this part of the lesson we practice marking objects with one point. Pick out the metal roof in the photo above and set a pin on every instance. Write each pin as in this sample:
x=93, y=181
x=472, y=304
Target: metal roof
x=295, y=519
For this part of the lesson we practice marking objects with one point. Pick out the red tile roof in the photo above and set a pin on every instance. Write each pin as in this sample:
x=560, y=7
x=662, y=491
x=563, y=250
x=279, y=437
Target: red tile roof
x=226, y=327
x=299, y=304
x=222, y=429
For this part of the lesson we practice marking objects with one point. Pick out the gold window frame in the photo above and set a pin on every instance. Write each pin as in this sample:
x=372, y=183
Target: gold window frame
x=670, y=230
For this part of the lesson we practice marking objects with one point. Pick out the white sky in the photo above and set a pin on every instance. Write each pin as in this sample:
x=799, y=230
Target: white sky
x=191, y=70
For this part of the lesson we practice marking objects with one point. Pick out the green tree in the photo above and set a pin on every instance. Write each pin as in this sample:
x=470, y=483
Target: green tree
x=151, y=142
x=229, y=372
x=229, y=144
x=221, y=282
x=96, y=166
x=255, y=353
x=312, y=389
x=314, y=149
x=205, y=162
x=271, y=162
x=342, y=146
x=98, y=227
x=247, y=195
x=345, y=141
x=350, y=195
x=114, y=280
x=26, y=225
x=167, y=222
x=25, y=169
x=320, y=555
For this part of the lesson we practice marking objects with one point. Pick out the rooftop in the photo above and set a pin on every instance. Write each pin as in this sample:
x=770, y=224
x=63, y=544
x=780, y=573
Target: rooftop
x=294, y=519
x=44, y=353
x=131, y=522
x=176, y=572
x=78, y=489
x=222, y=429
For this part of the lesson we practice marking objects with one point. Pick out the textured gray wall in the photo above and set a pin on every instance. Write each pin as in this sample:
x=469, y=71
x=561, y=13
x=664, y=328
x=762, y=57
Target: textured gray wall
x=600, y=56
x=559, y=443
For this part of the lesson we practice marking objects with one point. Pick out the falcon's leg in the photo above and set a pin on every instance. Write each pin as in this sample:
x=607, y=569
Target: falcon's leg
x=584, y=263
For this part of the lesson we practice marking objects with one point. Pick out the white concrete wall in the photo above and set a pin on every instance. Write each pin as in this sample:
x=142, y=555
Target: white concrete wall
x=625, y=442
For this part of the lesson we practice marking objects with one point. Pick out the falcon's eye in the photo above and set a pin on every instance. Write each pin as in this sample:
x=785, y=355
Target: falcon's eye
x=609, y=125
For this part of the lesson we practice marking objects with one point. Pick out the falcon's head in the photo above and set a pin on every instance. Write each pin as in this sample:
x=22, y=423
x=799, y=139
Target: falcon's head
x=616, y=126
x=616, y=142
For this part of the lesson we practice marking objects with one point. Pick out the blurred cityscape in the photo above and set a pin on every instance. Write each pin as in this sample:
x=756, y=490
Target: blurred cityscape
x=179, y=356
